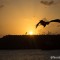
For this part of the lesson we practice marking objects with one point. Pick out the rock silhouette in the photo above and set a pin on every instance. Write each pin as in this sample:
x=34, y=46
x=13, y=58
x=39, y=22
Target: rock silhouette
x=46, y=23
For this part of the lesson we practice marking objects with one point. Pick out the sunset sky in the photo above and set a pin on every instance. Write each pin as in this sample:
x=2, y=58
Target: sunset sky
x=20, y=16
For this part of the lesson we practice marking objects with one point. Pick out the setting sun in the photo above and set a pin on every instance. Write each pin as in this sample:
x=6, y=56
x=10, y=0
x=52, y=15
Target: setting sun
x=30, y=33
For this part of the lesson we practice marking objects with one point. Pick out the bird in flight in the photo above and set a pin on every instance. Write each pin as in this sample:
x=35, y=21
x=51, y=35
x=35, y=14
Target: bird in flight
x=46, y=23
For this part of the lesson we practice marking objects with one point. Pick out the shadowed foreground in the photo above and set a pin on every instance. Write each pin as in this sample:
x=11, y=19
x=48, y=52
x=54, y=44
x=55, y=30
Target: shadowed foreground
x=28, y=54
x=46, y=42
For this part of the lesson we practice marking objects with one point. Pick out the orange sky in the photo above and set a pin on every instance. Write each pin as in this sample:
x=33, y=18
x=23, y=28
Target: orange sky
x=20, y=16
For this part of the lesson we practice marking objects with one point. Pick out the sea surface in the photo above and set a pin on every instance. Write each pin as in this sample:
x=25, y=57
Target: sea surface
x=29, y=54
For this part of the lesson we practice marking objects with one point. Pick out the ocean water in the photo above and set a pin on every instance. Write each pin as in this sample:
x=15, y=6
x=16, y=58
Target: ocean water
x=29, y=54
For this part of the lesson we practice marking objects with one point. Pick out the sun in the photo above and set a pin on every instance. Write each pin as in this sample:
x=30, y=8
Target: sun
x=30, y=33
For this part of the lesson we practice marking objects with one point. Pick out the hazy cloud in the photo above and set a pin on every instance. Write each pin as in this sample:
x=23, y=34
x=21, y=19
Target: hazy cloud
x=1, y=6
x=48, y=3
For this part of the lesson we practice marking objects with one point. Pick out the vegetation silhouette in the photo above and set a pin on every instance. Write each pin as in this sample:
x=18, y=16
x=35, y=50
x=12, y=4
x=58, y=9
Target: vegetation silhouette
x=46, y=23
x=26, y=33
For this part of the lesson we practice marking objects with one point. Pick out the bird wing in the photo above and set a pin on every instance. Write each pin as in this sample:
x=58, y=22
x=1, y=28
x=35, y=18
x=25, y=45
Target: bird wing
x=37, y=24
x=57, y=20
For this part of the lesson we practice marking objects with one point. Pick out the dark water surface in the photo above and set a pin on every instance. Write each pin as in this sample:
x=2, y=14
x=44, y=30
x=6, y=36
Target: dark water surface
x=28, y=54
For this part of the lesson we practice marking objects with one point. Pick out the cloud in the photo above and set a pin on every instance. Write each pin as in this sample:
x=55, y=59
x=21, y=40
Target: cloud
x=1, y=6
x=47, y=2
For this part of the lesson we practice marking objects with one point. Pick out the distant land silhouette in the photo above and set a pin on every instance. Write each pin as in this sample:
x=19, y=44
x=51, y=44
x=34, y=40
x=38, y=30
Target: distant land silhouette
x=43, y=23
x=44, y=42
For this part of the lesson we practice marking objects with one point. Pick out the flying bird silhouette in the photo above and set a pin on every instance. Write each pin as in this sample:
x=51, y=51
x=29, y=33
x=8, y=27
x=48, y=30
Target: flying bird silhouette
x=46, y=23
